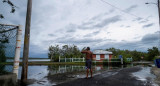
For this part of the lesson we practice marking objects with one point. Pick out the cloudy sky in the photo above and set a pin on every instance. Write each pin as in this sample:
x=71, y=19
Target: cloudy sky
x=100, y=24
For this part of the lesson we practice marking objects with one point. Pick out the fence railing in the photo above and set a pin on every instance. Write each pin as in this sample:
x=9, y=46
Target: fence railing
x=83, y=60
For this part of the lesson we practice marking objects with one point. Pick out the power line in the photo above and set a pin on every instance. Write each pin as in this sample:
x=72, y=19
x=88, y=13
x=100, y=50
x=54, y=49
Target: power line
x=121, y=10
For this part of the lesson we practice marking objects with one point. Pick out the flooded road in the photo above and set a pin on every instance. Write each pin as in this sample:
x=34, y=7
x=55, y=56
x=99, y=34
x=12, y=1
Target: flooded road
x=59, y=74
x=118, y=77
x=145, y=75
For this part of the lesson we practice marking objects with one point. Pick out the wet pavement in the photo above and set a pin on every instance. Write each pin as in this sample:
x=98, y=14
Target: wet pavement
x=106, y=76
x=119, y=77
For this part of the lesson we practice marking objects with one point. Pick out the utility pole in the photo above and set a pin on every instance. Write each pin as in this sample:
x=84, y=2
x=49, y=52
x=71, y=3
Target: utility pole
x=159, y=22
x=158, y=5
x=158, y=10
x=26, y=43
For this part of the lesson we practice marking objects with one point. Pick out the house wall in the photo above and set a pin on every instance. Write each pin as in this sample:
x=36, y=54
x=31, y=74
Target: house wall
x=102, y=57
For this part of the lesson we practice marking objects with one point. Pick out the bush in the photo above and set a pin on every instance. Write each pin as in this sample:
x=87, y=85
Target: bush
x=2, y=54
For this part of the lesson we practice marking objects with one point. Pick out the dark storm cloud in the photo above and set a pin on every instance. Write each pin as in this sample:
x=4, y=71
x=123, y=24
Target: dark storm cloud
x=158, y=32
x=131, y=8
x=137, y=19
x=148, y=41
x=150, y=38
x=36, y=52
x=51, y=35
x=119, y=45
x=96, y=32
x=71, y=28
x=148, y=25
x=112, y=10
x=108, y=21
x=122, y=26
x=91, y=34
x=78, y=41
x=102, y=15
x=93, y=24
x=128, y=26
x=145, y=21
x=88, y=23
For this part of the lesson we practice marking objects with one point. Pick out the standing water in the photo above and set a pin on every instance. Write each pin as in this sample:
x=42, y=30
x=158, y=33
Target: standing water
x=56, y=74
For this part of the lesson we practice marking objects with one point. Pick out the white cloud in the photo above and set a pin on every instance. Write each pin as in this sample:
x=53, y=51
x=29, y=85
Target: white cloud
x=87, y=23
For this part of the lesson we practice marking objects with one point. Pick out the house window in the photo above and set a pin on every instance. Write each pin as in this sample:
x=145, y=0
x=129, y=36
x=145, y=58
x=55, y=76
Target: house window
x=106, y=56
x=97, y=57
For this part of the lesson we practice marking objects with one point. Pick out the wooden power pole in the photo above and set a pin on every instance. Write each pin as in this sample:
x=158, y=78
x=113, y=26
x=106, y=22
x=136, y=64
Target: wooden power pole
x=26, y=43
x=158, y=4
x=158, y=11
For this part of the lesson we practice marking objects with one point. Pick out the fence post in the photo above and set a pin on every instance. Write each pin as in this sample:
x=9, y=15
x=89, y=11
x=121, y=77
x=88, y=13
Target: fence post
x=83, y=59
x=72, y=59
x=108, y=61
x=59, y=59
x=65, y=59
x=122, y=61
x=18, y=50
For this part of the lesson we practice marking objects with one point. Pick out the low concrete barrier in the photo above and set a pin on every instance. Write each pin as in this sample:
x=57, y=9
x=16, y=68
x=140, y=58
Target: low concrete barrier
x=8, y=80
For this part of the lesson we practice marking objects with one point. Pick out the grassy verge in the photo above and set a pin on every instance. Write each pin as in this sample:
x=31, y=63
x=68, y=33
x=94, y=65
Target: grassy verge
x=58, y=63
x=46, y=63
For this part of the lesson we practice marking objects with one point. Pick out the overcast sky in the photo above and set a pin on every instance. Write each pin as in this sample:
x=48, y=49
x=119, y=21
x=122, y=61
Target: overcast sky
x=127, y=24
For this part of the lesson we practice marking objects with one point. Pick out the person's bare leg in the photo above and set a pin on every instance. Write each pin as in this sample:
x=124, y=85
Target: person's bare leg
x=87, y=73
x=91, y=72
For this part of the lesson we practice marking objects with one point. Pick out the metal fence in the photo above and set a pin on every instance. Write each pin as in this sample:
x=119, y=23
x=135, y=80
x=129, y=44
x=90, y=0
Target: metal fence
x=8, y=35
x=71, y=60
x=83, y=60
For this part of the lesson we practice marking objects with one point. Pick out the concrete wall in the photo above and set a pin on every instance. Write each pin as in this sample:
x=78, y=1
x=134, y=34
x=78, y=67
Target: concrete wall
x=8, y=80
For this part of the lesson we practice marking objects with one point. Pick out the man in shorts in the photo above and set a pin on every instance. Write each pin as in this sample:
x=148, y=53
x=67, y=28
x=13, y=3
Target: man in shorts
x=89, y=56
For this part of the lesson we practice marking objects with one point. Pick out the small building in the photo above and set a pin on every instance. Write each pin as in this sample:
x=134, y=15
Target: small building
x=100, y=55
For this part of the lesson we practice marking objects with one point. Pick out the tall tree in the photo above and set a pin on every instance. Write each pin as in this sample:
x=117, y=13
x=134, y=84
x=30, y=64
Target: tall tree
x=54, y=52
x=152, y=53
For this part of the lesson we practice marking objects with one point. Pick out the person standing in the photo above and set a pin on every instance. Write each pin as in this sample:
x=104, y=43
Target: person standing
x=89, y=56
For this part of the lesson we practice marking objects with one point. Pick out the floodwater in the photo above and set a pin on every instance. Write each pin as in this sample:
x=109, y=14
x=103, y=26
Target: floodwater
x=146, y=76
x=29, y=60
x=64, y=73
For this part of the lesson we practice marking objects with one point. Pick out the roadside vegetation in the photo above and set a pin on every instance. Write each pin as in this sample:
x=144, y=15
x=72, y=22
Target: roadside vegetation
x=150, y=55
x=72, y=51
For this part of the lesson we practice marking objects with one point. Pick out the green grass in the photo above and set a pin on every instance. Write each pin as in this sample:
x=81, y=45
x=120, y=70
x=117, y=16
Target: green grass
x=47, y=63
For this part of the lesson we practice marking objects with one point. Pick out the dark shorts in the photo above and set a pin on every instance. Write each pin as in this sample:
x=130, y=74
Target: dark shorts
x=88, y=63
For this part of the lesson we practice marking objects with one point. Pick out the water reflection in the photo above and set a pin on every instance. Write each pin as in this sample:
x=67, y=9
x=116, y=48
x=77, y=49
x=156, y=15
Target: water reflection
x=55, y=74
x=63, y=73
x=54, y=69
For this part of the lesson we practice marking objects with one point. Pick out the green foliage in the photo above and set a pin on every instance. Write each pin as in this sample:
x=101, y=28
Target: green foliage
x=136, y=55
x=2, y=54
x=65, y=52
x=152, y=53
x=54, y=52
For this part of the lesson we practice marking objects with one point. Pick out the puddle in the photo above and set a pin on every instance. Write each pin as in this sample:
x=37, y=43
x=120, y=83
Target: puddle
x=62, y=73
x=145, y=76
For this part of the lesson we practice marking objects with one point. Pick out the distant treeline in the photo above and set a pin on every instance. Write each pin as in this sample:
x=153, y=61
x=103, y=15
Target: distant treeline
x=67, y=51
x=72, y=51
x=150, y=55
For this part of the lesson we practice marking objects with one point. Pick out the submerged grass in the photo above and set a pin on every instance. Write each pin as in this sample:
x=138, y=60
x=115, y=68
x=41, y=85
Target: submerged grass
x=58, y=63
x=47, y=63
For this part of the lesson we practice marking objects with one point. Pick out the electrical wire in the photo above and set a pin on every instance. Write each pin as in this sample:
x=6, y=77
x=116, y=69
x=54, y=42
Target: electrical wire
x=121, y=9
